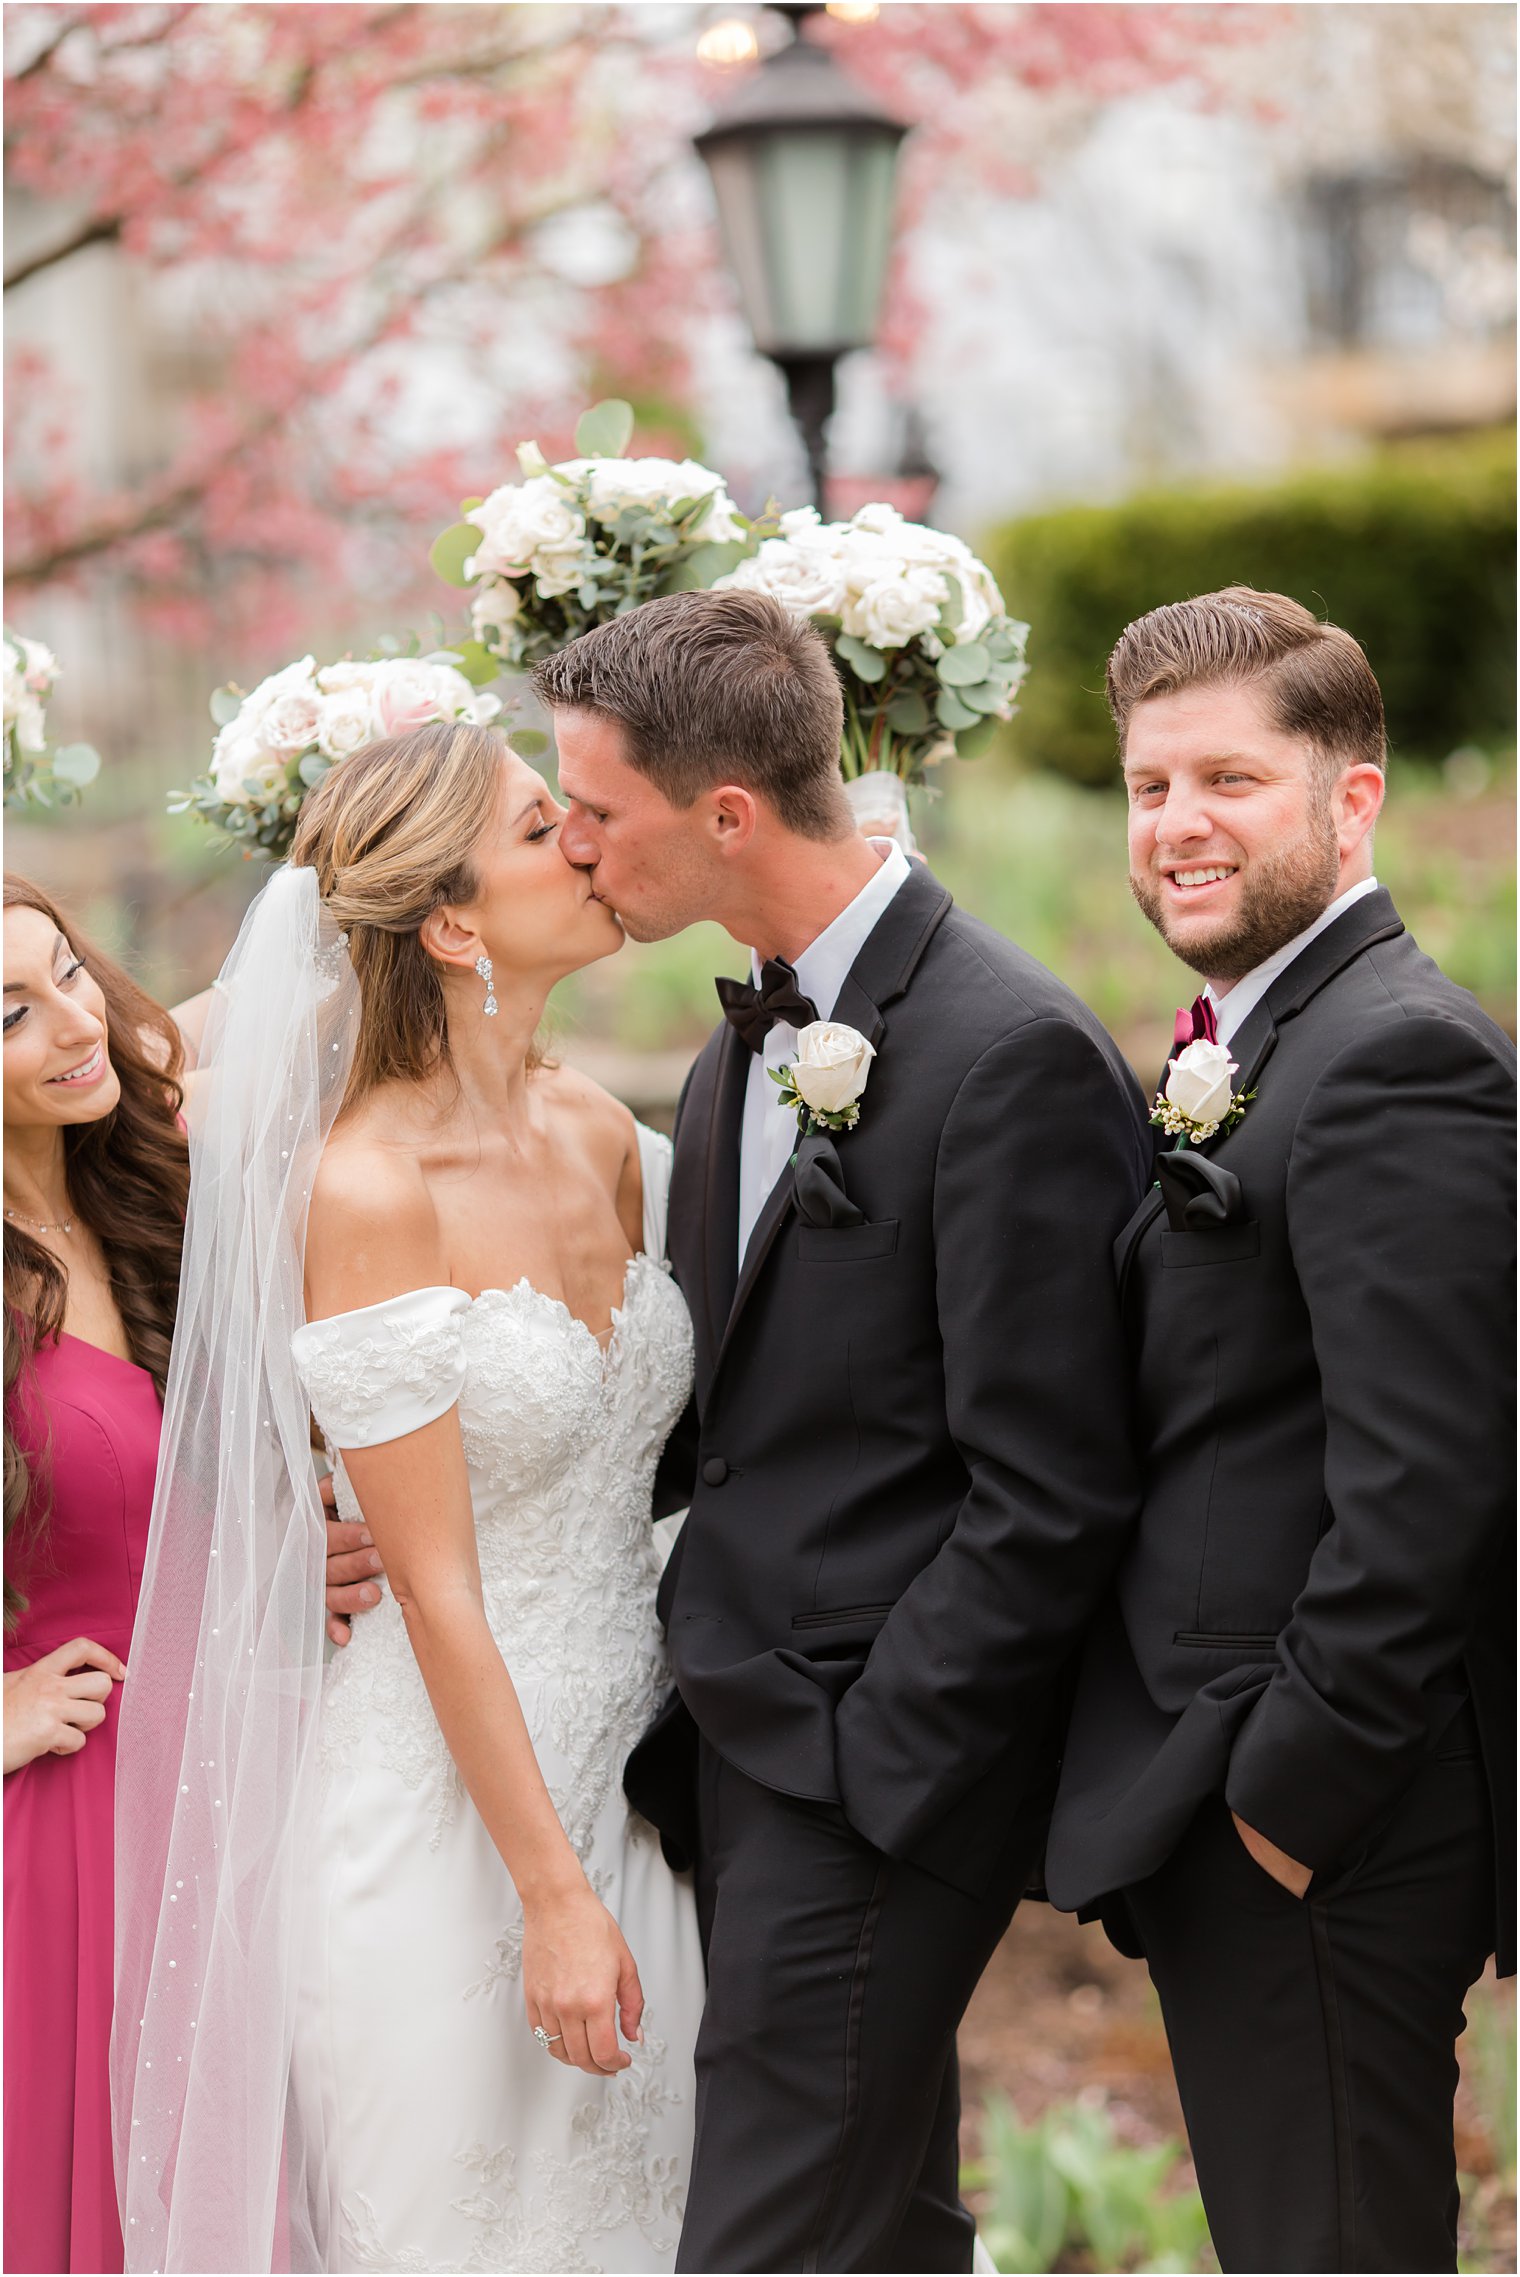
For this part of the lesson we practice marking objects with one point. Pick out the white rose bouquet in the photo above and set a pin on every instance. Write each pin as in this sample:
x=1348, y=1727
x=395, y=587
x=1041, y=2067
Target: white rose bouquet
x=277, y=742
x=34, y=770
x=571, y=545
x=929, y=657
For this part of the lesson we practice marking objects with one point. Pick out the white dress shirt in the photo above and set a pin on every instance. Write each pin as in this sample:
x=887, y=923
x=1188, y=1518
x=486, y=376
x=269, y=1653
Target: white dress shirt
x=768, y=1133
x=1232, y=1008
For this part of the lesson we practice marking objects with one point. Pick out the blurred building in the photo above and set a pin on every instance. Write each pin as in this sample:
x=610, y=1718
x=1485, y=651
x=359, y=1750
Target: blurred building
x=123, y=356
x=1311, y=251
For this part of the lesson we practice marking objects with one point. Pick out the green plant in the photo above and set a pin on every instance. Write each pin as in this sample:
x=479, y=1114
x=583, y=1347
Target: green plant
x=1412, y=550
x=1045, y=863
x=1028, y=2202
x=1491, y=2030
x=1066, y=2185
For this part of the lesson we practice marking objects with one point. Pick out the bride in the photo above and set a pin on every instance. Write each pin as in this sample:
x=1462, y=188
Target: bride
x=403, y=1983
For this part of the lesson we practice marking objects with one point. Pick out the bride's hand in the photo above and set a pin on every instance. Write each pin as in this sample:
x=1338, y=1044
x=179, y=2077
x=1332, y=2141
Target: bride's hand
x=578, y=1979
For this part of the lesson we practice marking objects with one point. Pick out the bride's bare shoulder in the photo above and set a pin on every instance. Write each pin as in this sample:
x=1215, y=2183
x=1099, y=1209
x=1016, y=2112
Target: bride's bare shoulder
x=601, y=1121
x=607, y=1138
x=360, y=1172
x=372, y=1230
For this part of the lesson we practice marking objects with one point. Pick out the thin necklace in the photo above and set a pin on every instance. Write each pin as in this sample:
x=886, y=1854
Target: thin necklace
x=19, y=1217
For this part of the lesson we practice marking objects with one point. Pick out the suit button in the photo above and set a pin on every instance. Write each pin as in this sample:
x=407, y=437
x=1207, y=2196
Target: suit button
x=714, y=1471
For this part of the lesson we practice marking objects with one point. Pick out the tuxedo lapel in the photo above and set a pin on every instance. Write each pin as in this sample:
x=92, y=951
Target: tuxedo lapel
x=1371, y=919
x=881, y=973
x=773, y=1215
x=891, y=951
x=1253, y=1046
x=856, y=1010
x=720, y=1217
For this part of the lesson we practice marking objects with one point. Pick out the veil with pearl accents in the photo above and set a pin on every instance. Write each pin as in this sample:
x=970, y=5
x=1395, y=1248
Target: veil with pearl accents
x=218, y=2165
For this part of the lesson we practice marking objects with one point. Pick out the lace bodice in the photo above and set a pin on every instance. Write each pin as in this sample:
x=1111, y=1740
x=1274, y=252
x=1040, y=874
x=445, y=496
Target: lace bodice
x=477, y=2155
x=561, y=1439
x=383, y=1370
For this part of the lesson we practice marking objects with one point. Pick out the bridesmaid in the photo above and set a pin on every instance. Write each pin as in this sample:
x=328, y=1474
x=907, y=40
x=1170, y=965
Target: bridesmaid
x=95, y=1182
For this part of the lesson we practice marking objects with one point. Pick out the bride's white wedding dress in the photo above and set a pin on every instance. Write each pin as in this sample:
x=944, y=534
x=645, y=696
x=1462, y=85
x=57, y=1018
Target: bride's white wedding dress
x=457, y=2144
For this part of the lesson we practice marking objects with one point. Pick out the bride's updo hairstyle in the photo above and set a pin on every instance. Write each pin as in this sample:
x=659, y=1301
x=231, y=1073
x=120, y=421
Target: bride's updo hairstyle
x=390, y=834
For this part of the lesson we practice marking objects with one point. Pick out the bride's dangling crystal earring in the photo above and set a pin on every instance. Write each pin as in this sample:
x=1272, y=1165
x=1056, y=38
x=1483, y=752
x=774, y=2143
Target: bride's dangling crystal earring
x=483, y=967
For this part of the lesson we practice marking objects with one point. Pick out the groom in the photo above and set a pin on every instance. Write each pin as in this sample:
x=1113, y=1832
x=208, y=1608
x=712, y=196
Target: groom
x=1291, y=1758
x=908, y=1465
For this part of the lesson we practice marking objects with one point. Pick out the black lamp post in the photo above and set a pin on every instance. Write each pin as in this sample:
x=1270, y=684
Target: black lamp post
x=802, y=164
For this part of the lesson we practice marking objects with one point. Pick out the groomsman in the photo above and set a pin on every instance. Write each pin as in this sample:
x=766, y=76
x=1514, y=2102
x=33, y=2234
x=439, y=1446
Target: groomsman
x=1289, y=1775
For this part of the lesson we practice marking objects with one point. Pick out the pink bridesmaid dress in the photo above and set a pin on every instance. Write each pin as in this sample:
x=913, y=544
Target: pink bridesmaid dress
x=98, y=1420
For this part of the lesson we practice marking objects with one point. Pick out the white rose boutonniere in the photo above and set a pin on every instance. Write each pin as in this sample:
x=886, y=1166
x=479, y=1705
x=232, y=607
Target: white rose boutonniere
x=825, y=1081
x=1196, y=1101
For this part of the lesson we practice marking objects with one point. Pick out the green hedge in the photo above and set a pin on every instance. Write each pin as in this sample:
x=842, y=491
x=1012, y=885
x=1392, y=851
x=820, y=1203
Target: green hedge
x=1413, y=551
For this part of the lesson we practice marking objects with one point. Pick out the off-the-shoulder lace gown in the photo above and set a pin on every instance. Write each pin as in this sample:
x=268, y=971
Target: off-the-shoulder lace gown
x=458, y=2144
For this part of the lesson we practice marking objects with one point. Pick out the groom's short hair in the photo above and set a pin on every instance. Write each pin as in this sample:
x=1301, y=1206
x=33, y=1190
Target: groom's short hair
x=1314, y=679
x=713, y=688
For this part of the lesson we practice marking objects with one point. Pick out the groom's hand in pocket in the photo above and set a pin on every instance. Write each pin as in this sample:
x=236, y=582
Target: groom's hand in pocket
x=1286, y=1871
x=353, y=1563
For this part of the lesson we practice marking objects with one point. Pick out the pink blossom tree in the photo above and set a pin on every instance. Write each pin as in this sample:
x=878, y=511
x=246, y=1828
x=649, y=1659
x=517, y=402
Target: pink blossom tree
x=341, y=213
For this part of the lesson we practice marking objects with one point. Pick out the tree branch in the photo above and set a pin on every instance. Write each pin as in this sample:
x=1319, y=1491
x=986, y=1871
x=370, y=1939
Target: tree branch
x=485, y=64
x=45, y=53
x=104, y=229
x=171, y=505
x=158, y=513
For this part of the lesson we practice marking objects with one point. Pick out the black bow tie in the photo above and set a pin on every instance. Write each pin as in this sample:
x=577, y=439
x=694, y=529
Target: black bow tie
x=755, y=1011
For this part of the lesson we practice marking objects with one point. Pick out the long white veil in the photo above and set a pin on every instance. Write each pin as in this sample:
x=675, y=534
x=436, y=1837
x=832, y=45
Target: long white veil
x=217, y=2168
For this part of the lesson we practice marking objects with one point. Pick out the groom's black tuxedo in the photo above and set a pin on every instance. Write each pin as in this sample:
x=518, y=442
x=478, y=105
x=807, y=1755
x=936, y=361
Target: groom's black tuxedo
x=910, y=1478
x=1314, y=1625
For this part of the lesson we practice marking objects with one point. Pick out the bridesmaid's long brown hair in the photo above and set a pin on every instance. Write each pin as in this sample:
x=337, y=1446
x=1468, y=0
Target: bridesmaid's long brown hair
x=128, y=1181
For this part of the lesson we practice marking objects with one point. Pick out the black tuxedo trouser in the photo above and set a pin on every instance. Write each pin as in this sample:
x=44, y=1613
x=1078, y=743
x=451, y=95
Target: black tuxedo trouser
x=1314, y=2039
x=828, y=2101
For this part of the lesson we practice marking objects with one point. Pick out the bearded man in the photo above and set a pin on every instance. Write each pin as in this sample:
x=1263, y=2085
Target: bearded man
x=1288, y=1774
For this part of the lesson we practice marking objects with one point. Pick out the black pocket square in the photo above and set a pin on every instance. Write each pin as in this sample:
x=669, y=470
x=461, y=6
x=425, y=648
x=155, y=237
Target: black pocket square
x=818, y=1182
x=1198, y=1194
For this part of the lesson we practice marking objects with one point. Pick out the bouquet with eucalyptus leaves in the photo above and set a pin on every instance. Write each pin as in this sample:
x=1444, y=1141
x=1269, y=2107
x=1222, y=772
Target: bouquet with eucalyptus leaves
x=277, y=742
x=37, y=771
x=929, y=657
x=571, y=545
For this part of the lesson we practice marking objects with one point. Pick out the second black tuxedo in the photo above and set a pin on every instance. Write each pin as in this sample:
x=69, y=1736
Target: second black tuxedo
x=1314, y=1626
x=910, y=1479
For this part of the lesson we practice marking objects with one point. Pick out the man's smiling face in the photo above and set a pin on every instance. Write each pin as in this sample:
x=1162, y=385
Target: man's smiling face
x=1239, y=834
